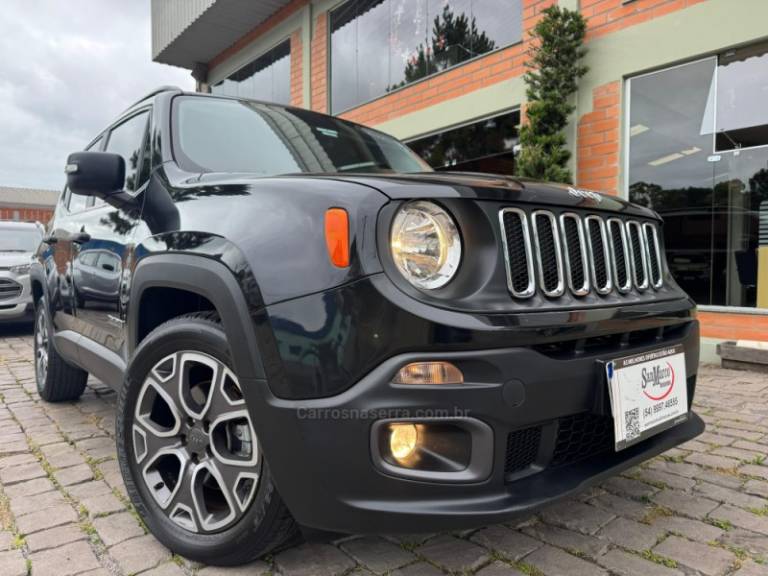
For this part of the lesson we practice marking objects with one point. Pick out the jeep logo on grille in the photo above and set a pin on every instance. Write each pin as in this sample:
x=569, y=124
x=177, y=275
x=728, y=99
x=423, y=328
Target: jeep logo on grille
x=585, y=194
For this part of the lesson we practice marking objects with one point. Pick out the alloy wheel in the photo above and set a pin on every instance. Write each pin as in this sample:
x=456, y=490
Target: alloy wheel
x=41, y=347
x=194, y=442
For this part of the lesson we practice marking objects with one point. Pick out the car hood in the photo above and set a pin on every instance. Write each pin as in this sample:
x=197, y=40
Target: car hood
x=8, y=259
x=492, y=187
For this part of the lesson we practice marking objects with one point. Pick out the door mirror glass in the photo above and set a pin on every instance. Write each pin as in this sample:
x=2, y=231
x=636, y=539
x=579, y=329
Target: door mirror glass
x=99, y=174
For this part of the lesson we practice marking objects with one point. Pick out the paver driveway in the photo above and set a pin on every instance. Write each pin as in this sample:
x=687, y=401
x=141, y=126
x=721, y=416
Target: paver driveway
x=702, y=509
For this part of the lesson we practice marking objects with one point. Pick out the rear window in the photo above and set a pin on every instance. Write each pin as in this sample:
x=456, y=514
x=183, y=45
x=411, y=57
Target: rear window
x=19, y=239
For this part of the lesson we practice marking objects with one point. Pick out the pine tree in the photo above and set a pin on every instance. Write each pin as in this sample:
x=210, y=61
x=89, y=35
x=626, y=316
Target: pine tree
x=552, y=78
x=454, y=39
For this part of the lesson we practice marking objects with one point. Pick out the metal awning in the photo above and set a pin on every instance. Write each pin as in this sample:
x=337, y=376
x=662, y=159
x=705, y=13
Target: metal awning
x=185, y=32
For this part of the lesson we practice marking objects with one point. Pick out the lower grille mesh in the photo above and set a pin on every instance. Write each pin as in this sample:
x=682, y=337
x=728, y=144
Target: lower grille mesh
x=522, y=449
x=581, y=436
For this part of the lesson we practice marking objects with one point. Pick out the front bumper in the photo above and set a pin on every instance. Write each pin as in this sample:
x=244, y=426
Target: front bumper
x=15, y=298
x=320, y=452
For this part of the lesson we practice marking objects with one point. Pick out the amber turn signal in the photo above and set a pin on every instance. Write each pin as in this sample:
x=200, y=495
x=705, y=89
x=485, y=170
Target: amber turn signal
x=427, y=373
x=337, y=236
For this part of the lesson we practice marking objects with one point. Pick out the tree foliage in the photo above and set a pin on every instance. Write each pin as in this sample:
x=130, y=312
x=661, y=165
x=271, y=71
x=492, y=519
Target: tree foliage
x=555, y=67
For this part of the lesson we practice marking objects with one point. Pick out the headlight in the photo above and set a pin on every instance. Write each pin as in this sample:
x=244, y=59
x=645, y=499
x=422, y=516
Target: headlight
x=20, y=269
x=426, y=245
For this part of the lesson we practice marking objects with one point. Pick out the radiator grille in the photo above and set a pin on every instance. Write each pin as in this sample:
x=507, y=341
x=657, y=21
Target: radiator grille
x=9, y=289
x=552, y=253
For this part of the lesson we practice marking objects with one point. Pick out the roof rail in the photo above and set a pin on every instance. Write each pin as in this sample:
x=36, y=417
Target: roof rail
x=155, y=92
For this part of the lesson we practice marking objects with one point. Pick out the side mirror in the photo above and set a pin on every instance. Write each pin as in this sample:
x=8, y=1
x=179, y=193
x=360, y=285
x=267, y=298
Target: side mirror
x=99, y=174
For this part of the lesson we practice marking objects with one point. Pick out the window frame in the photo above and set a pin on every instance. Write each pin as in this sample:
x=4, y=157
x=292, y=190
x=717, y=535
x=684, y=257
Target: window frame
x=626, y=150
x=275, y=46
x=142, y=154
x=329, y=45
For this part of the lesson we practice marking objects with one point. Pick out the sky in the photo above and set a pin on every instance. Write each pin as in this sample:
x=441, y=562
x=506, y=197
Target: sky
x=67, y=69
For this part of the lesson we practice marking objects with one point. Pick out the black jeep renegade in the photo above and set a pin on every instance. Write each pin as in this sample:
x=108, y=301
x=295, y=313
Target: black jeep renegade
x=306, y=326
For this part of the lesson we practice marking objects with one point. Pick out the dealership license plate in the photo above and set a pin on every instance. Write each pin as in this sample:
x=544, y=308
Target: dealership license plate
x=648, y=392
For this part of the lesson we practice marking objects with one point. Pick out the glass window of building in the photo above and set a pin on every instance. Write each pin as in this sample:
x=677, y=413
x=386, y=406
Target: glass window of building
x=380, y=45
x=697, y=156
x=485, y=146
x=268, y=78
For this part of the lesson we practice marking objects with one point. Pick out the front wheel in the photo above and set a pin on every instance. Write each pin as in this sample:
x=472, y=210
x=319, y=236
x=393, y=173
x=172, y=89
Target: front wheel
x=188, y=451
x=56, y=380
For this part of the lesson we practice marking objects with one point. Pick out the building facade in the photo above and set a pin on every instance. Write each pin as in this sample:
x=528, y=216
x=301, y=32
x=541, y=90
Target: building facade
x=26, y=204
x=669, y=114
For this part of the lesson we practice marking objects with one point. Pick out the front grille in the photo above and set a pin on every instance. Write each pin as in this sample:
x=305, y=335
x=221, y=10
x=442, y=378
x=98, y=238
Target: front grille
x=9, y=289
x=581, y=254
x=581, y=436
x=548, y=253
x=522, y=449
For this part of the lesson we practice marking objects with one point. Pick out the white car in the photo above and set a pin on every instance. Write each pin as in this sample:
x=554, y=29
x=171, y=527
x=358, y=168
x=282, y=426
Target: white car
x=18, y=243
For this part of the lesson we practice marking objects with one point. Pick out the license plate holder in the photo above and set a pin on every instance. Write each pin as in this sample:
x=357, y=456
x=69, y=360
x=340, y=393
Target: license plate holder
x=648, y=394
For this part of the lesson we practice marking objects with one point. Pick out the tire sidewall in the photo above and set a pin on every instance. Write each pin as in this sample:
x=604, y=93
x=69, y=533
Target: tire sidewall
x=201, y=336
x=42, y=309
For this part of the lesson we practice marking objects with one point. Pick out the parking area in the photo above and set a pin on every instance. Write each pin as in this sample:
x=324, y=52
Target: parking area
x=699, y=509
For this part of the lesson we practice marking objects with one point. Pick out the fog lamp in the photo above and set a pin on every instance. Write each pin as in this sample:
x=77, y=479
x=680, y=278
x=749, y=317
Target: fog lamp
x=427, y=373
x=403, y=439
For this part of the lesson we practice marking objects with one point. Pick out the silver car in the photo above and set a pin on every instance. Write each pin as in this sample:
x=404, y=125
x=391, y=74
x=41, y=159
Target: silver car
x=18, y=243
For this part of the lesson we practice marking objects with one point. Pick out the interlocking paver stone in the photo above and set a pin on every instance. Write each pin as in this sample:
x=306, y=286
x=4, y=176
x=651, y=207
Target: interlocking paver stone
x=313, y=558
x=568, y=539
x=36, y=521
x=508, y=543
x=54, y=537
x=626, y=564
x=693, y=529
x=684, y=504
x=577, y=516
x=377, y=554
x=74, y=475
x=64, y=561
x=559, y=563
x=117, y=528
x=454, y=554
x=499, y=569
x=139, y=554
x=630, y=534
x=12, y=563
x=742, y=518
x=708, y=560
x=755, y=544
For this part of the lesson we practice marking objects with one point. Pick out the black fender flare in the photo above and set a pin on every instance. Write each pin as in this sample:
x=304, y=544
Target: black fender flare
x=214, y=281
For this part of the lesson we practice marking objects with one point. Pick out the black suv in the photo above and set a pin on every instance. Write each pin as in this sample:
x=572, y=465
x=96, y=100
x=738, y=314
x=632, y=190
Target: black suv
x=308, y=327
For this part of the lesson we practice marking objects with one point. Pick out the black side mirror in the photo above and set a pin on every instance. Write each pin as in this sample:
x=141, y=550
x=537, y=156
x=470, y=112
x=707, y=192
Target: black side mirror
x=99, y=174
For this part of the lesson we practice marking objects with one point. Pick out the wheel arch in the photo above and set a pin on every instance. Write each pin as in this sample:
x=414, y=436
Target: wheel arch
x=216, y=287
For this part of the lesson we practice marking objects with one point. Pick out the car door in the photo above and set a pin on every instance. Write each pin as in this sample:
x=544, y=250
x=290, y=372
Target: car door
x=107, y=234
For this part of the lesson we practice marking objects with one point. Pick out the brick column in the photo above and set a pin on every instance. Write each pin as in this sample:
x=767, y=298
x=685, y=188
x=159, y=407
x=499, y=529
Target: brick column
x=320, y=64
x=598, y=141
x=297, y=70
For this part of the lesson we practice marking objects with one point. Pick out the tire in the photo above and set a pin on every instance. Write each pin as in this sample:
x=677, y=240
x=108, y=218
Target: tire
x=57, y=381
x=180, y=377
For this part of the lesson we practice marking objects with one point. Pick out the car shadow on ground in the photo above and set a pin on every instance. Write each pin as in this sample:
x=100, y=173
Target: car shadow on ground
x=16, y=330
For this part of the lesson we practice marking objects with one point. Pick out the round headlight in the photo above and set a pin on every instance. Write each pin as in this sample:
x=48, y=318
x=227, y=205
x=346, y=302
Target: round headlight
x=426, y=245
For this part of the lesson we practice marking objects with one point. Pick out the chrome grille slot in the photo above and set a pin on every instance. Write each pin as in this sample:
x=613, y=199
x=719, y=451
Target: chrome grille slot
x=599, y=254
x=637, y=251
x=516, y=239
x=653, y=253
x=548, y=253
x=619, y=255
x=9, y=289
x=575, y=254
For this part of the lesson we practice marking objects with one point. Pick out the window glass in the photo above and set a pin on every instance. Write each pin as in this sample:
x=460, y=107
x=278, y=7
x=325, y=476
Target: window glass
x=219, y=135
x=380, y=45
x=127, y=139
x=88, y=258
x=712, y=203
x=267, y=78
x=742, y=93
x=77, y=203
x=486, y=146
x=19, y=239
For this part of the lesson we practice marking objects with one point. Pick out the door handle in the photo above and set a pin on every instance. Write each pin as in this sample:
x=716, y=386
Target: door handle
x=81, y=237
x=50, y=239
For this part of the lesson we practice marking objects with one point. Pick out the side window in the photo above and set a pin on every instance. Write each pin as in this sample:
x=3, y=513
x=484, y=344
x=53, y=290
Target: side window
x=127, y=139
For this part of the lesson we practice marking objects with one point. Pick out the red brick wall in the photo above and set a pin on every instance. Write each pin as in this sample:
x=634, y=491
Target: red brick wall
x=319, y=72
x=297, y=69
x=40, y=214
x=606, y=16
x=598, y=141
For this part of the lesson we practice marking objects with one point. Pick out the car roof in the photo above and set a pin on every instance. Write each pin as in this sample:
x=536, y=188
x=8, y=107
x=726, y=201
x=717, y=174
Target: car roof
x=15, y=224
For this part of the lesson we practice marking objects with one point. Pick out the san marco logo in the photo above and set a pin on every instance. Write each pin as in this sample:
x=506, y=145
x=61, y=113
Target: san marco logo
x=660, y=379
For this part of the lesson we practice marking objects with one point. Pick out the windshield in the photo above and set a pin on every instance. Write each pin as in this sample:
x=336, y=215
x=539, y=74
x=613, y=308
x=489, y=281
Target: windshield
x=19, y=239
x=221, y=135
